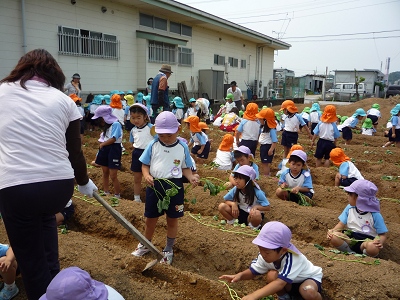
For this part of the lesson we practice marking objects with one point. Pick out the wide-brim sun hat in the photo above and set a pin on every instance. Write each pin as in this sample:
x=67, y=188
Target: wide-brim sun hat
x=376, y=106
x=359, y=112
x=329, y=114
x=315, y=107
x=105, y=112
x=166, y=69
x=226, y=143
x=76, y=76
x=366, y=191
x=286, y=103
x=203, y=126
x=116, y=101
x=178, y=102
x=193, y=123
x=229, y=97
x=249, y=172
x=269, y=115
x=129, y=99
x=275, y=235
x=75, y=97
x=166, y=122
x=367, y=124
x=337, y=156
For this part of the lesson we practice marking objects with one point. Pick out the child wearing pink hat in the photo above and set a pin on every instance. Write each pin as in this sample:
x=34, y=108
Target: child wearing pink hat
x=165, y=157
x=362, y=218
x=246, y=202
x=293, y=274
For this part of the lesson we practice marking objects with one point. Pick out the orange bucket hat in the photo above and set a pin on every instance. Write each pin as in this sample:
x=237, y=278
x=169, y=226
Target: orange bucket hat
x=286, y=103
x=203, y=125
x=251, y=111
x=194, y=123
x=329, y=114
x=338, y=157
x=268, y=115
x=227, y=143
x=294, y=147
x=75, y=97
x=116, y=101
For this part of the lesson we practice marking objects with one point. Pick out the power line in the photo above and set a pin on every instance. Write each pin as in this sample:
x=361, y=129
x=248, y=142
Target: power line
x=341, y=34
x=352, y=39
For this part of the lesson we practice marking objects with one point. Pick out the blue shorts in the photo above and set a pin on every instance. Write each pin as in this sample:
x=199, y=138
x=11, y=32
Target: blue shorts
x=347, y=134
x=252, y=145
x=324, y=148
x=347, y=181
x=265, y=158
x=136, y=164
x=175, y=209
x=289, y=138
x=110, y=156
x=205, y=152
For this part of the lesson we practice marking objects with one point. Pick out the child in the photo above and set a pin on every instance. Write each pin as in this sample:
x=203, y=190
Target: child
x=8, y=271
x=110, y=151
x=139, y=98
x=305, y=114
x=78, y=104
x=362, y=217
x=374, y=114
x=97, y=100
x=348, y=172
x=315, y=115
x=192, y=110
x=165, y=158
x=297, y=178
x=386, y=133
x=292, y=122
x=394, y=132
x=203, y=111
x=293, y=273
x=328, y=133
x=224, y=156
x=279, y=124
x=140, y=136
x=249, y=128
x=367, y=127
x=127, y=115
x=230, y=120
x=351, y=123
x=343, y=118
x=198, y=138
x=246, y=202
x=229, y=103
x=177, y=108
x=267, y=139
x=116, y=105
x=283, y=164
x=242, y=155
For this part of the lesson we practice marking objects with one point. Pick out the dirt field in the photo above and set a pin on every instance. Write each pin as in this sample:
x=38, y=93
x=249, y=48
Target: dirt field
x=98, y=244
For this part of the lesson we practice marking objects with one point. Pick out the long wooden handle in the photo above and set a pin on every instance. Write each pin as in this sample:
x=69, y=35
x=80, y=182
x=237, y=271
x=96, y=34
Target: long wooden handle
x=124, y=222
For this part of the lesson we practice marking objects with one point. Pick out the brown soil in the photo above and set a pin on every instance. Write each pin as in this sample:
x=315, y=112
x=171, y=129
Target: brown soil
x=98, y=244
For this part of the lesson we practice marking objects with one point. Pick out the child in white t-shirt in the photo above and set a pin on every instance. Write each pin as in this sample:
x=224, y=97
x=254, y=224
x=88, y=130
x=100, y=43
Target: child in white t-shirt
x=177, y=108
x=224, y=156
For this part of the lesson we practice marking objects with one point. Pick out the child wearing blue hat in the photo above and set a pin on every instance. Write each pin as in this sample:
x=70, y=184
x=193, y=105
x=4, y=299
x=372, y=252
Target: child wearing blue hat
x=177, y=108
x=192, y=110
x=315, y=116
x=351, y=123
x=394, y=132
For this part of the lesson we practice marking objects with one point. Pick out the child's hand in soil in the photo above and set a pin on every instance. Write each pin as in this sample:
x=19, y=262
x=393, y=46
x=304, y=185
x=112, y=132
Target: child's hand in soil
x=231, y=278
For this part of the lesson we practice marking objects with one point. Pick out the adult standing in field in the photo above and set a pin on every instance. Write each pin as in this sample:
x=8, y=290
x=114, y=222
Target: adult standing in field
x=41, y=154
x=74, y=87
x=159, y=90
x=237, y=95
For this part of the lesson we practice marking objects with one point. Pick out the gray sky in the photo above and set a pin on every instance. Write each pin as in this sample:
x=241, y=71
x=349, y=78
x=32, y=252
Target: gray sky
x=338, y=34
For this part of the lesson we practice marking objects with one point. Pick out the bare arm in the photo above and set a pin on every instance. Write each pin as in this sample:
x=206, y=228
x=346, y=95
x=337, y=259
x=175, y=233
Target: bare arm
x=146, y=174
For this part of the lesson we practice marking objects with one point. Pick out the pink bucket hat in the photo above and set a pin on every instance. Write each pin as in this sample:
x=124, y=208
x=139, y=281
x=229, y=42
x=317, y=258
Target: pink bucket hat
x=166, y=122
x=274, y=235
x=245, y=150
x=366, y=191
x=105, y=112
x=248, y=171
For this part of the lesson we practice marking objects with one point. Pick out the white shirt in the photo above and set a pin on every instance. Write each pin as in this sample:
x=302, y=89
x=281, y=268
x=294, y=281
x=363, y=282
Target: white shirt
x=119, y=113
x=224, y=160
x=374, y=112
x=229, y=106
x=236, y=94
x=32, y=139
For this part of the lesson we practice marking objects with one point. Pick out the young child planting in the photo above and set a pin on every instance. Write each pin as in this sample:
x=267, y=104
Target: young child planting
x=328, y=133
x=246, y=202
x=229, y=103
x=267, y=139
x=8, y=271
x=230, y=120
x=140, y=136
x=283, y=165
x=290, y=273
x=249, y=128
x=292, y=122
x=165, y=160
x=361, y=227
x=192, y=110
x=110, y=151
x=297, y=178
x=243, y=157
x=305, y=114
x=177, y=108
x=315, y=116
x=394, y=132
x=351, y=123
x=224, y=156
x=348, y=172
x=367, y=127
x=198, y=138
x=374, y=114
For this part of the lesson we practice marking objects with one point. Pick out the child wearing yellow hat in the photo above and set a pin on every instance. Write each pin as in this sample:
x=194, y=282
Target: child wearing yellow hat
x=348, y=172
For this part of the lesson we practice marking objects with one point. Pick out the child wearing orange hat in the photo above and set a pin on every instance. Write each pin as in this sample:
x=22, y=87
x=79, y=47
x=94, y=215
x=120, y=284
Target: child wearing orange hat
x=348, y=172
x=116, y=105
x=198, y=138
x=267, y=139
x=78, y=104
x=249, y=128
x=224, y=156
x=328, y=133
x=293, y=121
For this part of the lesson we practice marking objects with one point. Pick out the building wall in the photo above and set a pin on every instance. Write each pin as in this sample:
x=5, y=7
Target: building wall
x=349, y=76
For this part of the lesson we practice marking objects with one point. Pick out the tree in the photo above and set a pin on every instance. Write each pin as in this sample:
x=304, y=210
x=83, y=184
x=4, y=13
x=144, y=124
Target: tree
x=358, y=80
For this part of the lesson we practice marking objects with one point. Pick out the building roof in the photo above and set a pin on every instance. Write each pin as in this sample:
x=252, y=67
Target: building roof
x=365, y=70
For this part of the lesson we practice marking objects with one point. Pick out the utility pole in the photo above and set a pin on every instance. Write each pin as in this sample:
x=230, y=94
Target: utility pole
x=324, y=85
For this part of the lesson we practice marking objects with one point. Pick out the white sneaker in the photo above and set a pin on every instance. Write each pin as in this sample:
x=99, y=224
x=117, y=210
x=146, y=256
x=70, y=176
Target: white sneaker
x=167, y=259
x=140, y=250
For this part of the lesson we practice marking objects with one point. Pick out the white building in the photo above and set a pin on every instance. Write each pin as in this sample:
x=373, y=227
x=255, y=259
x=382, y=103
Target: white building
x=119, y=44
x=371, y=76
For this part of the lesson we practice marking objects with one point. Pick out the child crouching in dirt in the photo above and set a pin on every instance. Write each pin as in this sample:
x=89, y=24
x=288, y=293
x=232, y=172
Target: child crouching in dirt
x=283, y=164
x=348, y=172
x=246, y=202
x=290, y=273
x=351, y=123
x=224, y=156
x=164, y=161
x=363, y=219
x=8, y=271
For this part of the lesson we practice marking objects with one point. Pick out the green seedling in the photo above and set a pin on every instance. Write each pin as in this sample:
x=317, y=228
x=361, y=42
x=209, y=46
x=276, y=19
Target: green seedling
x=114, y=201
x=164, y=198
x=63, y=229
x=389, y=178
x=388, y=152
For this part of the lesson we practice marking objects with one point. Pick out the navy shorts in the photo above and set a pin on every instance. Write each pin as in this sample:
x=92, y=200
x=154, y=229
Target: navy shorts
x=205, y=152
x=289, y=138
x=175, y=209
x=252, y=145
x=347, y=134
x=347, y=181
x=305, y=121
x=110, y=156
x=295, y=291
x=136, y=165
x=359, y=236
x=295, y=198
x=373, y=118
x=244, y=217
x=265, y=158
x=313, y=125
x=397, y=138
x=324, y=148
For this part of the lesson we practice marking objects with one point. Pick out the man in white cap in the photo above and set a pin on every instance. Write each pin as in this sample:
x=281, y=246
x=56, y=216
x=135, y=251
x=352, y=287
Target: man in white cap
x=159, y=90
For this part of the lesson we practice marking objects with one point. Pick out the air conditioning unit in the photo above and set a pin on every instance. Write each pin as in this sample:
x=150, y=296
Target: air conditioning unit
x=260, y=93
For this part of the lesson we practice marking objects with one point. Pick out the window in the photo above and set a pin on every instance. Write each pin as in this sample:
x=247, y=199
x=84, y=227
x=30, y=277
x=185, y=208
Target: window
x=348, y=86
x=153, y=22
x=219, y=60
x=185, y=57
x=186, y=30
x=243, y=64
x=162, y=52
x=180, y=28
x=81, y=42
x=146, y=20
x=160, y=23
x=233, y=62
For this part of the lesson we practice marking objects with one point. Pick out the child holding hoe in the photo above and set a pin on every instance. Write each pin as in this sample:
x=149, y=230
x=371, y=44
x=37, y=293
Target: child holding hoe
x=164, y=161
x=289, y=271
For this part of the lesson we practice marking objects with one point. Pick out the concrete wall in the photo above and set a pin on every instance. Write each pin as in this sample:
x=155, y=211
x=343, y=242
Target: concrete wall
x=349, y=76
